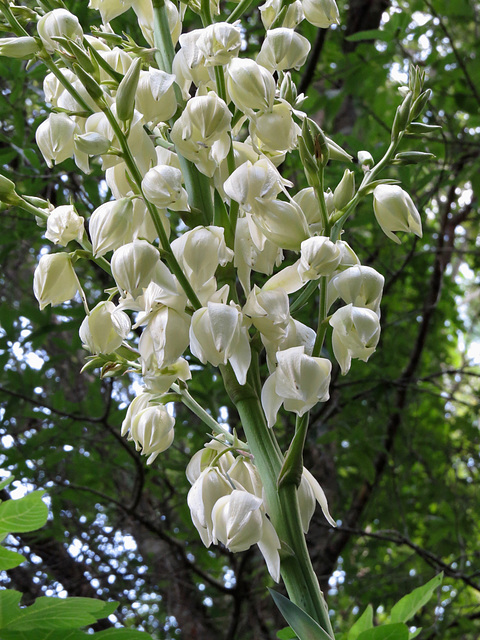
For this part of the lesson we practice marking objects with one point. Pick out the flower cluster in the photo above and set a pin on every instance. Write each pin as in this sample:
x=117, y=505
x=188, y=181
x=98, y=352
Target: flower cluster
x=190, y=136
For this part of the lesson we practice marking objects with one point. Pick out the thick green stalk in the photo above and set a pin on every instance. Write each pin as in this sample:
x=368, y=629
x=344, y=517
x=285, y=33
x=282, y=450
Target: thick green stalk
x=282, y=503
x=322, y=317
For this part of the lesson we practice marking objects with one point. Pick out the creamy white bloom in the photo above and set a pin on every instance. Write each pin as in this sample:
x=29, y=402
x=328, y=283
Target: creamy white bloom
x=165, y=338
x=111, y=225
x=239, y=521
x=58, y=22
x=310, y=492
x=297, y=334
x=104, y=330
x=63, y=225
x=269, y=311
x=269, y=11
x=358, y=285
x=22, y=47
x=144, y=11
x=275, y=129
x=152, y=431
x=298, y=382
x=140, y=402
x=162, y=185
x=250, y=86
x=155, y=95
x=254, y=183
x=203, y=458
x=321, y=13
x=283, y=49
x=244, y=475
x=160, y=380
x=282, y=222
x=55, y=138
x=209, y=487
x=133, y=266
x=219, y=43
x=54, y=280
x=218, y=334
x=395, y=211
x=110, y=9
x=356, y=332
x=319, y=256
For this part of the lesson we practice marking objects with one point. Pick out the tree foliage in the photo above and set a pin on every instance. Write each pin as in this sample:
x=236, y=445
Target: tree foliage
x=395, y=447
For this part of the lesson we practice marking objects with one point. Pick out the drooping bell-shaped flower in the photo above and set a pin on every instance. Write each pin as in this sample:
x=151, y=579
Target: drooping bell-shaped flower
x=276, y=129
x=356, y=332
x=358, y=285
x=309, y=493
x=110, y=9
x=254, y=183
x=209, y=487
x=203, y=458
x=283, y=49
x=133, y=266
x=239, y=521
x=63, y=225
x=218, y=335
x=104, y=330
x=162, y=185
x=55, y=138
x=23, y=47
x=282, y=222
x=155, y=95
x=152, y=431
x=165, y=338
x=111, y=225
x=58, y=22
x=321, y=13
x=270, y=10
x=319, y=256
x=54, y=280
x=395, y=211
x=250, y=86
x=299, y=382
x=269, y=311
x=219, y=43
x=244, y=475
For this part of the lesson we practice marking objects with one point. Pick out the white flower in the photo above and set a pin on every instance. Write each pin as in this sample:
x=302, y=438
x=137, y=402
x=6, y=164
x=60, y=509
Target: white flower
x=63, y=225
x=321, y=13
x=162, y=185
x=269, y=311
x=219, y=43
x=299, y=382
x=395, y=211
x=104, y=330
x=239, y=521
x=54, y=280
x=152, y=431
x=55, y=138
x=319, y=256
x=282, y=222
x=254, y=183
x=210, y=486
x=165, y=338
x=58, y=22
x=356, y=332
x=276, y=129
x=203, y=458
x=110, y=9
x=359, y=285
x=155, y=95
x=111, y=225
x=283, y=49
x=309, y=492
x=269, y=11
x=250, y=86
x=218, y=334
x=133, y=266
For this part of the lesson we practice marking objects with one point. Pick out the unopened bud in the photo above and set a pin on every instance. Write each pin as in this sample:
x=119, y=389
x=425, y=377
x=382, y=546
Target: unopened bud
x=23, y=47
x=7, y=191
x=365, y=160
x=58, y=22
x=420, y=104
x=125, y=99
x=92, y=143
x=402, y=116
x=420, y=128
x=345, y=190
x=93, y=88
x=412, y=157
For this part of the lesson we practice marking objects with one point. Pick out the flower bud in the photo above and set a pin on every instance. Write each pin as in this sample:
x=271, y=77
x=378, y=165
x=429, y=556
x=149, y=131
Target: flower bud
x=319, y=256
x=299, y=382
x=162, y=185
x=356, y=332
x=58, y=22
x=104, y=330
x=91, y=143
x=219, y=42
x=358, y=285
x=63, y=225
x=55, y=138
x=321, y=13
x=152, y=431
x=250, y=86
x=111, y=225
x=54, y=280
x=283, y=49
x=365, y=160
x=345, y=190
x=7, y=191
x=23, y=47
x=395, y=211
x=125, y=98
x=133, y=266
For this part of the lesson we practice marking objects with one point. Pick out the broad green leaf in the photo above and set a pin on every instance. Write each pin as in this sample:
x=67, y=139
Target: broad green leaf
x=302, y=624
x=397, y=631
x=44, y=634
x=362, y=624
x=9, y=600
x=60, y=613
x=10, y=559
x=287, y=633
x=412, y=602
x=25, y=514
x=122, y=634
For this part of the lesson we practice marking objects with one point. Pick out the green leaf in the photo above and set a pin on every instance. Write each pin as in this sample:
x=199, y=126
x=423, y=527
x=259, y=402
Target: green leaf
x=386, y=632
x=59, y=613
x=6, y=481
x=369, y=34
x=302, y=624
x=122, y=634
x=9, y=600
x=25, y=514
x=362, y=624
x=287, y=633
x=412, y=602
x=10, y=559
x=38, y=634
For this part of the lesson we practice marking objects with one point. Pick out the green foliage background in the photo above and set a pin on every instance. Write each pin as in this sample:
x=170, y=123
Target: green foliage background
x=396, y=447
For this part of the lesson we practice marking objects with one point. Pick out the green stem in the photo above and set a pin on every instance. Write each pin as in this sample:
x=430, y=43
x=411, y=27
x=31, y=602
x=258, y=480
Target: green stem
x=239, y=10
x=322, y=318
x=282, y=503
x=17, y=28
x=50, y=64
x=153, y=211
